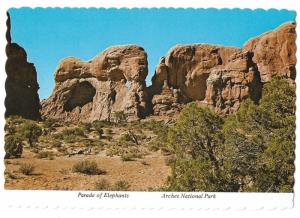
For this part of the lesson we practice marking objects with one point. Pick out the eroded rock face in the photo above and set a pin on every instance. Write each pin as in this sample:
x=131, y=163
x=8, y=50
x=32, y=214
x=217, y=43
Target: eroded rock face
x=222, y=77
x=21, y=83
x=217, y=76
x=214, y=76
x=111, y=82
x=275, y=52
x=228, y=86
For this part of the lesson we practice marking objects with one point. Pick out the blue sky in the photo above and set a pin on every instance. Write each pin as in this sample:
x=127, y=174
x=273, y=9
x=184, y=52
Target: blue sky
x=49, y=35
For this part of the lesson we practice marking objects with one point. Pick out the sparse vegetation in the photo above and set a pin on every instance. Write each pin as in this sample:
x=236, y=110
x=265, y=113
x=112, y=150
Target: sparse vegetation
x=98, y=128
x=70, y=135
x=56, y=144
x=30, y=131
x=45, y=154
x=102, y=185
x=119, y=117
x=127, y=157
x=49, y=123
x=102, y=123
x=11, y=175
x=26, y=169
x=87, y=167
x=87, y=127
x=64, y=171
x=13, y=146
x=121, y=185
x=251, y=150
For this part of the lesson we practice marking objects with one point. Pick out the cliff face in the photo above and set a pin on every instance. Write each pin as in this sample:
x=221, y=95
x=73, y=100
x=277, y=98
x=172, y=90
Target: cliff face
x=218, y=77
x=222, y=77
x=21, y=83
x=113, y=81
x=275, y=52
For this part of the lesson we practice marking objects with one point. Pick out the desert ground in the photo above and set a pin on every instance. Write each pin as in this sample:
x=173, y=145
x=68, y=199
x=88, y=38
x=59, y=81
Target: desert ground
x=137, y=166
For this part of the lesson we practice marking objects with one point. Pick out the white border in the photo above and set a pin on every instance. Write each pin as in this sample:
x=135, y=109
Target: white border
x=34, y=203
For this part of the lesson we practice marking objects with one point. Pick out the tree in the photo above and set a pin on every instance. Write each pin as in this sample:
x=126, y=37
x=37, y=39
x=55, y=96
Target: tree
x=276, y=167
x=244, y=139
x=252, y=150
x=30, y=131
x=196, y=142
x=260, y=140
x=13, y=146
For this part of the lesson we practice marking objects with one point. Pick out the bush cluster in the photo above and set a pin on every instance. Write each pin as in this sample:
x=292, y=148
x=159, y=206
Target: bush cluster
x=252, y=150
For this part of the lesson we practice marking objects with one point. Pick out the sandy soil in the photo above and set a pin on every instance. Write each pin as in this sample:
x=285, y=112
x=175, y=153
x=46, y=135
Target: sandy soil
x=141, y=174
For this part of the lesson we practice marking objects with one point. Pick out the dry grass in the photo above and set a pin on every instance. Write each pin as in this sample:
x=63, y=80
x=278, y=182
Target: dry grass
x=87, y=167
x=26, y=169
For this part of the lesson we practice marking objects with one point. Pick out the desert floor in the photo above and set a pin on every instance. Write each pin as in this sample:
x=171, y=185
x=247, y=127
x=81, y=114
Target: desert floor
x=142, y=175
x=145, y=170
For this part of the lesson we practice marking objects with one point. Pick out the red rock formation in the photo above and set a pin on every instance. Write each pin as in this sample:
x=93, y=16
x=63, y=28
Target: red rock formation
x=222, y=77
x=113, y=81
x=21, y=83
x=215, y=76
x=275, y=52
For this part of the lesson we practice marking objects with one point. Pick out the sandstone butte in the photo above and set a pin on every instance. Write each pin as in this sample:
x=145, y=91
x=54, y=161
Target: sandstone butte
x=21, y=82
x=214, y=76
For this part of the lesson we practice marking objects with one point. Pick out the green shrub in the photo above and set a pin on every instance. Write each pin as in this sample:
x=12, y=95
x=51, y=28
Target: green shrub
x=26, y=169
x=86, y=127
x=73, y=132
x=119, y=117
x=92, y=142
x=253, y=150
x=70, y=135
x=121, y=185
x=12, y=122
x=13, y=146
x=153, y=147
x=130, y=136
x=195, y=141
x=49, y=123
x=30, y=131
x=169, y=160
x=98, y=128
x=87, y=167
x=45, y=154
x=127, y=157
x=125, y=137
x=102, y=185
x=101, y=123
